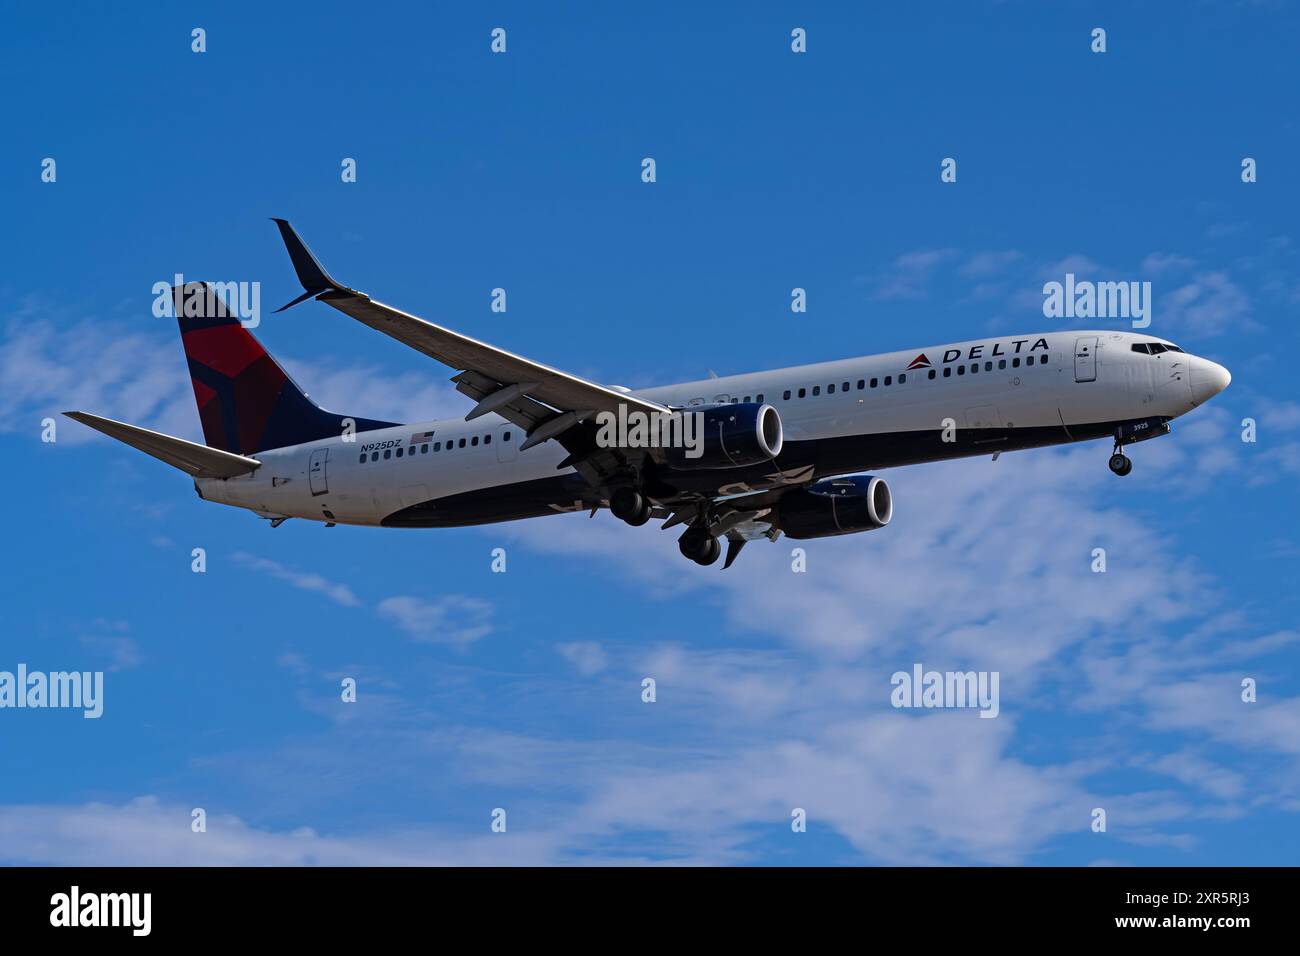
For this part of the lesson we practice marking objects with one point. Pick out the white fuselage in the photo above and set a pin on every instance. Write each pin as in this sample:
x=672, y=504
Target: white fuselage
x=1088, y=379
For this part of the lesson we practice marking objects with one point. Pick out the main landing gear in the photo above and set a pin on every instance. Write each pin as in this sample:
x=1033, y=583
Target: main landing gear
x=1120, y=463
x=628, y=504
x=700, y=546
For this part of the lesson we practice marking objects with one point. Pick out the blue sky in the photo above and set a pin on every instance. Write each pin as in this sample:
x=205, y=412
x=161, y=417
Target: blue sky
x=522, y=690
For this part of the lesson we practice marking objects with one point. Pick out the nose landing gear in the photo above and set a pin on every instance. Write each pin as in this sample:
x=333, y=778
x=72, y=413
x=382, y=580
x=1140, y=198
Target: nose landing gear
x=1128, y=433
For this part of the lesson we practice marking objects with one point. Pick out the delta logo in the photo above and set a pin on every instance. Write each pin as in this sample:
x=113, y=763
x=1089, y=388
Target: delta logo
x=977, y=352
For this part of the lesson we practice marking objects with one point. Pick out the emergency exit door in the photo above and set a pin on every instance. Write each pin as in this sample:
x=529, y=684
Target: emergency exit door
x=316, y=477
x=1085, y=358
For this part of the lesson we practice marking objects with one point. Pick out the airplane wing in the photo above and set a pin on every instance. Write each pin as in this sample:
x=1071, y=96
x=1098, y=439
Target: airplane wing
x=543, y=401
x=190, y=457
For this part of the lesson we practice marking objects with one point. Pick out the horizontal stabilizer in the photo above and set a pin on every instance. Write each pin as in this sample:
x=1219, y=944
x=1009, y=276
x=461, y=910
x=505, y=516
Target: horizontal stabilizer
x=190, y=457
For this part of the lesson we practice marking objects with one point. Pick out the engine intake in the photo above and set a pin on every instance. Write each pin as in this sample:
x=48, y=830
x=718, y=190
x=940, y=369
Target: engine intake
x=728, y=436
x=836, y=506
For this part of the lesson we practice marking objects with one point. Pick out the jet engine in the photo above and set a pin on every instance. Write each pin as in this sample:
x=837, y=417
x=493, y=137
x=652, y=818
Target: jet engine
x=726, y=436
x=836, y=506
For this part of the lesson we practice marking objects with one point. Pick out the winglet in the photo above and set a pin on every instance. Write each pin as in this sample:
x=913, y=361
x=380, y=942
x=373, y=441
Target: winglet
x=311, y=273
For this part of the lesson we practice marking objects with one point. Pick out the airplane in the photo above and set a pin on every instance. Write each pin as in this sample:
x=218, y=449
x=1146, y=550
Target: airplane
x=776, y=452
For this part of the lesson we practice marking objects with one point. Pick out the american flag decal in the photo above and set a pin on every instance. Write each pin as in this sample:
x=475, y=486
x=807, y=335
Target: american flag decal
x=420, y=437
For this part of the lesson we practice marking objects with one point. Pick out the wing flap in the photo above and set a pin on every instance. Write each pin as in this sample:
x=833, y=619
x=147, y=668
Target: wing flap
x=522, y=410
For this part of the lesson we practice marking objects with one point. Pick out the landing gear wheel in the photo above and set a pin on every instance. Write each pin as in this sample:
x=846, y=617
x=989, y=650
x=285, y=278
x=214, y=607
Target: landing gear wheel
x=700, y=546
x=1121, y=464
x=712, y=553
x=642, y=516
x=628, y=505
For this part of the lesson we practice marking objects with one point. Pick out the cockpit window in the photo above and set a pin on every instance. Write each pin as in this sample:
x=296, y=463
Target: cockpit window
x=1154, y=348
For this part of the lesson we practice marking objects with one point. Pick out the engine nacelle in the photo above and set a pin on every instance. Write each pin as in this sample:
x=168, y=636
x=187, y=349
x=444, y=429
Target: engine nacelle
x=728, y=436
x=836, y=506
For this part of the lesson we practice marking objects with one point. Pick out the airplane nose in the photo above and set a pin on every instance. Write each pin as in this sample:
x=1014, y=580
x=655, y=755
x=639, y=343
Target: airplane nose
x=1208, y=379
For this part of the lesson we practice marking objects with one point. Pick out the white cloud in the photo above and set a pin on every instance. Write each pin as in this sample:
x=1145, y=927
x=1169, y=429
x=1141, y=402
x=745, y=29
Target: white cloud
x=146, y=831
x=1210, y=304
x=51, y=362
x=908, y=275
x=304, y=580
x=451, y=619
x=983, y=265
x=587, y=656
x=1077, y=263
x=1163, y=263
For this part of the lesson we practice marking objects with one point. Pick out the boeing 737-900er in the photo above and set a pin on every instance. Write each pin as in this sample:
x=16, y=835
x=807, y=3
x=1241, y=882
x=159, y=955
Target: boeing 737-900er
x=774, y=452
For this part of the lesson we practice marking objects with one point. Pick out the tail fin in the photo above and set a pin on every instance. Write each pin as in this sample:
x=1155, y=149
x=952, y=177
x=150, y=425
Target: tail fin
x=247, y=402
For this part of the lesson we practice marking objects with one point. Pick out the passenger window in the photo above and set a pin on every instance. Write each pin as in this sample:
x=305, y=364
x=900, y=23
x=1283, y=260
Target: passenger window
x=875, y=382
x=889, y=380
x=363, y=459
x=437, y=446
x=388, y=453
x=1042, y=360
x=817, y=390
x=930, y=375
x=830, y=389
x=902, y=378
x=474, y=440
x=424, y=449
x=757, y=398
x=374, y=456
x=786, y=395
x=505, y=437
x=947, y=371
x=862, y=383
x=803, y=392
x=845, y=387
x=399, y=453
x=988, y=366
x=1002, y=364
x=462, y=443
x=1015, y=363
x=487, y=439
x=961, y=369
x=975, y=367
